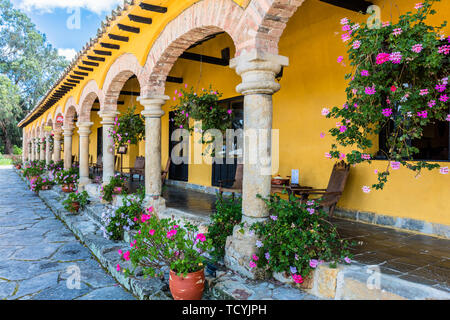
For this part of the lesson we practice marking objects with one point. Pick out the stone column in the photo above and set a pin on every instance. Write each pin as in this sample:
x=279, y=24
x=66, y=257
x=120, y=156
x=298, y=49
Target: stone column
x=108, y=145
x=35, y=151
x=83, y=132
x=24, y=146
x=68, y=132
x=153, y=113
x=57, y=145
x=48, y=154
x=258, y=85
x=32, y=149
x=42, y=148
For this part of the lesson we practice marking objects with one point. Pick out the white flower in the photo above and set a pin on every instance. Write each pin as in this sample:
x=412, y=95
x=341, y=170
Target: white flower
x=366, y=189
x=325, y=111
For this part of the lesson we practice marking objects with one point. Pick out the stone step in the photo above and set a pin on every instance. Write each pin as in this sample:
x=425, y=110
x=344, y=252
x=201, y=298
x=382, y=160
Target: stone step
x=201, y=221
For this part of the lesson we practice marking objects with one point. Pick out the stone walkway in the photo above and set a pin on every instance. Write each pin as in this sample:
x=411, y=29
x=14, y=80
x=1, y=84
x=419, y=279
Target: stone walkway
x=40, y=258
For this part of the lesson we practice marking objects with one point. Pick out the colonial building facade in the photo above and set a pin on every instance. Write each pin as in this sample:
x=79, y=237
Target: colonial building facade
x=274, y=61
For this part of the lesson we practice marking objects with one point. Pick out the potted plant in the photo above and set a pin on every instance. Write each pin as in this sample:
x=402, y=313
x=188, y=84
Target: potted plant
x=76, y=201
x=40, y=183
x=17, y=163
x=32, y=172
x=164, y=243
x=68, y=179
x=117, y=185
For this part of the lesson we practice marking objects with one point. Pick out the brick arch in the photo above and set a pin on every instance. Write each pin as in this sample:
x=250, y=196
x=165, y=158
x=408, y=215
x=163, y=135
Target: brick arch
x=195, y=23
x=263, y=24
x=70, y=110
x=89, y=94
x=120, y=71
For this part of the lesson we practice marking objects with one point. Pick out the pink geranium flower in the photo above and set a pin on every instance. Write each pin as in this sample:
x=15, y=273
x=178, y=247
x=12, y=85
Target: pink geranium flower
x=395, y=165
x=443, y=170
x=370, y=90
x=417, y=48
x=297, y=278
x=366, y=189
x=152, y=232
x=201, y=237
x=387, y=112
x=382, y=58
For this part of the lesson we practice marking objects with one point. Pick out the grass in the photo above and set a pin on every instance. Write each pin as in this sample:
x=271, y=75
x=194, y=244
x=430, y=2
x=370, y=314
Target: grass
x=5, y=161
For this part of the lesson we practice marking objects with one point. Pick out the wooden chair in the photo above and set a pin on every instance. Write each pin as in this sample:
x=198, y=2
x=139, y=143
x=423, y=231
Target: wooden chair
x=99, y=165
x=237, y=182
x=139, y=168
x=165, y=172
x=331, y=195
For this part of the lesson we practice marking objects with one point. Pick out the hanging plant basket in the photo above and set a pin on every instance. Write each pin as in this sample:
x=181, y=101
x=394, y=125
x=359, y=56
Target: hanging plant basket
x=203, y=106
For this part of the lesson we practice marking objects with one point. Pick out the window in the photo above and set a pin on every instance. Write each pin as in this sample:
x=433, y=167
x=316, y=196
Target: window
x=433, y=146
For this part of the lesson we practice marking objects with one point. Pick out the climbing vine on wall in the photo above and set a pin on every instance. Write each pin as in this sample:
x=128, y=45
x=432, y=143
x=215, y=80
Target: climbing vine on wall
x=399, y=79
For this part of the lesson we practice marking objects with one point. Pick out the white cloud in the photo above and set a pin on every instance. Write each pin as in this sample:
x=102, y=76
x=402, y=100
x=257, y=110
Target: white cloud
x=97, y=6
x=68, y=53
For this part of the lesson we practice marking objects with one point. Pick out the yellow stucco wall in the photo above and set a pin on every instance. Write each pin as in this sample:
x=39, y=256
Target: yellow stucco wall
x=312, y=81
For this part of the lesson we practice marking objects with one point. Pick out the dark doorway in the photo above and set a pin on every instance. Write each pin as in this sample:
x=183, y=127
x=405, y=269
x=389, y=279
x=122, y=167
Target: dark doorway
x=178, y=172
x=99, y=141
x=226, y=171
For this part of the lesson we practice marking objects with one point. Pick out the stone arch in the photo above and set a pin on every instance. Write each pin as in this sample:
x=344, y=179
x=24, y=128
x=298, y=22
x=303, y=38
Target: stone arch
x=49, y=120
x=195, y=23
x=263, y=24
x=120, y=71
x=90, y=93
x=70, y=111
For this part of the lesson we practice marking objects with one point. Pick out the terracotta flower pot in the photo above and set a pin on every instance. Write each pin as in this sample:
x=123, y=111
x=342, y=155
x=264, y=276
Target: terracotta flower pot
x=68, y=187
x=46, y=187
x=75, y=206
x=18, y=167
x=118, y=190
x=187, y=288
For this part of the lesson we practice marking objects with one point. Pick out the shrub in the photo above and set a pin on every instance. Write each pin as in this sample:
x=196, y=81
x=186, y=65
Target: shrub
x=17, y=151
x=228, y=214
x=124, y=218
x=296, y=238
x=164, y=242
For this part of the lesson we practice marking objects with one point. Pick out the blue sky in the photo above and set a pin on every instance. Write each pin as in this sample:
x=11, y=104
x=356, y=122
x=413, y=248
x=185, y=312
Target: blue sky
x=68, y=25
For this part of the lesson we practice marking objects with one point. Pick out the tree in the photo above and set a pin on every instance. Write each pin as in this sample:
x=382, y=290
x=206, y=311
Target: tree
x=10, y=113
x=27, y=60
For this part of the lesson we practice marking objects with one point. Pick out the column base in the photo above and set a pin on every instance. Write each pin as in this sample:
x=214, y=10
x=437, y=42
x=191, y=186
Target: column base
x=157, y=202
x=239, y=249
x=83, y=183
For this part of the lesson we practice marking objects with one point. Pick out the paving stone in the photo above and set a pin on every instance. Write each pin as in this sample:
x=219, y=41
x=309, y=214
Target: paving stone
x=61, y=292
x=37, y=252
x=36, y=284
x=108, y=293
x=71, y=252
x=7, y=288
